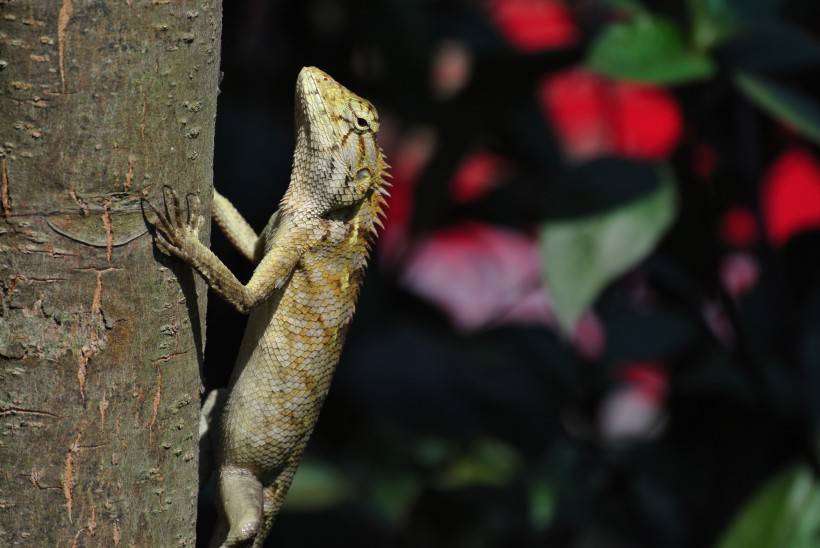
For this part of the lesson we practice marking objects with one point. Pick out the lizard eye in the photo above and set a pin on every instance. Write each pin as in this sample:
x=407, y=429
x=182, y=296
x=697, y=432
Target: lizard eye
x=362, y=124
x=362, y=174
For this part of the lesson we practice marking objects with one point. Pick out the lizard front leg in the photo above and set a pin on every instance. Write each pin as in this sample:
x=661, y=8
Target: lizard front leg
x=235, y=227
x=178, y=235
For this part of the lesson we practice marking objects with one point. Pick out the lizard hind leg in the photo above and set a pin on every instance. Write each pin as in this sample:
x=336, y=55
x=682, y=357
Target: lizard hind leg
x=273, y=496
x=241, y=494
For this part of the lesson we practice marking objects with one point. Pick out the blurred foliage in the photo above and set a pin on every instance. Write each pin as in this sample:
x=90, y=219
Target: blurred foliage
x=656, y=162
x=785, y=512
x=787, y=105
x=585, y=254
x=647, y=49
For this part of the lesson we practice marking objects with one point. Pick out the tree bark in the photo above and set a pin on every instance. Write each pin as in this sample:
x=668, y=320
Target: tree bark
x=101, y=338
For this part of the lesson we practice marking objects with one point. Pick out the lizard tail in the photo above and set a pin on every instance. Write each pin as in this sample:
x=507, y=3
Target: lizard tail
x=210, y=411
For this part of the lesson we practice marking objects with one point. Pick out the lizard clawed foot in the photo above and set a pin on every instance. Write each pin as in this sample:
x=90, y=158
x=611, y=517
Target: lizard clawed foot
x=245, y=534
x=175, y=234
x=241, y=495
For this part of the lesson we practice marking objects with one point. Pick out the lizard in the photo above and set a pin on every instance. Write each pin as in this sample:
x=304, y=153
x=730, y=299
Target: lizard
x=310, y=260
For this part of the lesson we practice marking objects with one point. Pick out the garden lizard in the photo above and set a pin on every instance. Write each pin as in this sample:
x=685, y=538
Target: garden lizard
x=310, y=260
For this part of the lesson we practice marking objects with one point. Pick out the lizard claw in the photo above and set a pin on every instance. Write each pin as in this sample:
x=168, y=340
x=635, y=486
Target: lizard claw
x=172, y=208
x=159, y=224
x=175, y=235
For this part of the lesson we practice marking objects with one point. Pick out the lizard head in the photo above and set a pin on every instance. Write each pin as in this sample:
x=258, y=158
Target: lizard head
x=337, y=157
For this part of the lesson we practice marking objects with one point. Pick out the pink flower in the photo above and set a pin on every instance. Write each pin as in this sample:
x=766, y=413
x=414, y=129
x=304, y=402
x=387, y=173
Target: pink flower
x=479, y=274
x=482, y=276
x=589, y=338
x=739, y=273
x=452, y=68
x=714, y=315
x=633, y=410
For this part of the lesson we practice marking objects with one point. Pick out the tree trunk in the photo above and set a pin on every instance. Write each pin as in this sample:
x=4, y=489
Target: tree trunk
x=101, y=338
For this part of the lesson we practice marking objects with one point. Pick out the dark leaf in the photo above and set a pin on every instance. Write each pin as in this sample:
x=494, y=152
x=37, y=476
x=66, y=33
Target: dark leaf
x=782, y=102
x=598, y=186
x=775, y=46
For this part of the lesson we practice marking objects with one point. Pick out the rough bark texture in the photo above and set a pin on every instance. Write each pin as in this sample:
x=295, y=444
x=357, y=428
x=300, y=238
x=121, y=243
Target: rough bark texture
x=100, y=337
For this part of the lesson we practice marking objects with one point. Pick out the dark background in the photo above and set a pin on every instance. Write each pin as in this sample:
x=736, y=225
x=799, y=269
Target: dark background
x=459, y=415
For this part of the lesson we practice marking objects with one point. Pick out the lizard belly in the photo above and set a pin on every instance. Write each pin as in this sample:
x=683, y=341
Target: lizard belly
x=289, y=353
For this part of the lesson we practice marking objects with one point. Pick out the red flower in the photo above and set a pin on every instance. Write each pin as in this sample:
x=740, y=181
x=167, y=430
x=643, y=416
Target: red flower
x=576, y=102
x=648, y=377
x=647, y=121
x=791, y=196
x=534, y=25
x=738, y=227
x=476, y=175
x=594, y=116
x=704, y=160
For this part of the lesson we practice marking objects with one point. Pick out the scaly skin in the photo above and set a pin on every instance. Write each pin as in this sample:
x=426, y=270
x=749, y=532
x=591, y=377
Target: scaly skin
x=310, y=261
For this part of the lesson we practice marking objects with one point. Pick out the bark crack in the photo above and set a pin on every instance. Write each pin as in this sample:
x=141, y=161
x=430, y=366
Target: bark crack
x=5, y=198
x=14, y=410
x=129, y=175
x=66, y=11
x=109, y=229
x=156, y=402
x=68, y=476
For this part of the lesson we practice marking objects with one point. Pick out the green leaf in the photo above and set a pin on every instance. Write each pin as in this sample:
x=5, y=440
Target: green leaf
x=317, y=485
x=392, y=492
x=432, y=451
x=784, y=512
x=542, y=504
x=783, y=103
x=712, y=22
x=647, y=49
x=581, y=256
x=629, y=6
x=488, y=462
